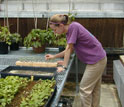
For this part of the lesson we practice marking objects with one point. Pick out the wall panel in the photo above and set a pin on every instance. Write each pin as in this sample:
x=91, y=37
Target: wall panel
x=109, y=31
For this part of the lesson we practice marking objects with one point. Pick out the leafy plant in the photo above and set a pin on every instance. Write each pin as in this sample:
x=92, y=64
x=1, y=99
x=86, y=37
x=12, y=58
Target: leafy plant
x=9, y=86
x=55, y=40
x=50, y=38
x=39, y=94
x=5, y=35
x=71, y=17
x=37, y=97
x=36, y=38
x=61, y=40
x=15, y=38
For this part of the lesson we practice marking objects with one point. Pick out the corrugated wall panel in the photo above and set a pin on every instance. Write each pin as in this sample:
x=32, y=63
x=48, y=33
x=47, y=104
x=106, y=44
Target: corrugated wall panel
x=108, y=31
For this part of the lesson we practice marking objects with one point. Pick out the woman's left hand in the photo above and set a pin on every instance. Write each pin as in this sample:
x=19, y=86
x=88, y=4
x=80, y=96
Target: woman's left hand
x=60, y=69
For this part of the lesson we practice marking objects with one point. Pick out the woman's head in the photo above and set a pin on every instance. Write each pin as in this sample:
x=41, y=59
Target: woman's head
x=58, y=18
x=58, y=23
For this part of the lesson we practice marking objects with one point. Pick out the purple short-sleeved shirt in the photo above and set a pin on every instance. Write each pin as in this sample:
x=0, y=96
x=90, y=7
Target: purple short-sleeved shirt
x=88, y=49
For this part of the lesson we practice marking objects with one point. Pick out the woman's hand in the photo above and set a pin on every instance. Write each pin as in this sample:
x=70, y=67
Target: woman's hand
x=49, y=56
x=60, y=69
x=60, y=62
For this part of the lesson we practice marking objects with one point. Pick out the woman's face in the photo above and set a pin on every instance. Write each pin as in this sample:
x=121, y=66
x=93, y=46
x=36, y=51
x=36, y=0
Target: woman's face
x=57, y=29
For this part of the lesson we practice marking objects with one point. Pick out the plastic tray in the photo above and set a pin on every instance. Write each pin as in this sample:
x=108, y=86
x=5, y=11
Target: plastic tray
x=48, y=104
x=50, y=99
x=7, y=72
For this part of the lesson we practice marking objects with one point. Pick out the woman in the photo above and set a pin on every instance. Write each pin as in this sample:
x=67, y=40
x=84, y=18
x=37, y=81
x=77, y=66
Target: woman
x=89, y=50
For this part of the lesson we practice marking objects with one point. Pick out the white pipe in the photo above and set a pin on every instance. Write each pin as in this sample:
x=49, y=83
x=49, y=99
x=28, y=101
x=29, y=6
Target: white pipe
x=7, y=11
x=35, y=18
x=48, y=11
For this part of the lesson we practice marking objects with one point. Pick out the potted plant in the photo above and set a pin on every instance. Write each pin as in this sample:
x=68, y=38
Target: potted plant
x=36, y=39
x=4, y=40
x=50, y=38
x=53, y=40
x=61, y=42
x=15, y=39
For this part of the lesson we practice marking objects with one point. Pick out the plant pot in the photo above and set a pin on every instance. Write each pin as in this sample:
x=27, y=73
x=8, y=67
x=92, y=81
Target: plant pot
x=14, y=46
x=61, y=48
x=3, y=48
x=39, y=49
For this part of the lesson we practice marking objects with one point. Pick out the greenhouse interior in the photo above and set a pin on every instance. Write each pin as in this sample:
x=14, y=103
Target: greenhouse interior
x=49, y=47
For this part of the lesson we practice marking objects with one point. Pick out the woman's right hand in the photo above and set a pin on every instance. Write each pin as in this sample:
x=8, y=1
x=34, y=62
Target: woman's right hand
x=61, y=62
x=49, y=56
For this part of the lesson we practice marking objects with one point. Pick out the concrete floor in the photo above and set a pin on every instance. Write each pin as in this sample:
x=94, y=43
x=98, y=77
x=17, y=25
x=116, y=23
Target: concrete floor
x=109, y=96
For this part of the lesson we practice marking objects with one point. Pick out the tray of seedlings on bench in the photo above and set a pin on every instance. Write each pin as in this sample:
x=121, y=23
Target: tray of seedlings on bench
x=25, y=71
x=18, y=91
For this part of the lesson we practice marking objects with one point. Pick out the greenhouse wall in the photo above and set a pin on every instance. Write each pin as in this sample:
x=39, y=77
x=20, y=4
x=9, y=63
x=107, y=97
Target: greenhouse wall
x=109, y=31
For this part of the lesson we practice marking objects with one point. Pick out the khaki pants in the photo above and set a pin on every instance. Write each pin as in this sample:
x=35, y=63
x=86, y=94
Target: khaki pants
x=90, y=84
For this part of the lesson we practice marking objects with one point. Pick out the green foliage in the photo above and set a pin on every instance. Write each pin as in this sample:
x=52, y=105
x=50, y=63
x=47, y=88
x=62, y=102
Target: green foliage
x=5, y=35
x=15, y=38
x=61, y=40
x=39, y=94
x=37, y=97
x=36, y=38
x=55, y=40
x=50, y=38
x=71, y=17
x=9, y=86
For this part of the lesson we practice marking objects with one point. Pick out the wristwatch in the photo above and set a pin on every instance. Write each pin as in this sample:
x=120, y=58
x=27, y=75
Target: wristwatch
x=64, y=67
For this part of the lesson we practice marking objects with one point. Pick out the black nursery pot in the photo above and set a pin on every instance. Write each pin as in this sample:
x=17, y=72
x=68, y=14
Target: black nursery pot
x=3, y=48
x=61, y=48
x=14, y=46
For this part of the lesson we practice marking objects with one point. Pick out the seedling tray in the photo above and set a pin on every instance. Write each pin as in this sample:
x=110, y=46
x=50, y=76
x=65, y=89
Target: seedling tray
x=47, y=102
x=24, y=71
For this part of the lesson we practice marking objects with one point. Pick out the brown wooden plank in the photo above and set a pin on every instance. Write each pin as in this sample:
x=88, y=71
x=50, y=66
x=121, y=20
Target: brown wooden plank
x=109, y=31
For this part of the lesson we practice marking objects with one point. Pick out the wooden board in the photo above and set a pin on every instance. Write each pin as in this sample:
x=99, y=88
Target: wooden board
x=36, y=64
x=122, y=59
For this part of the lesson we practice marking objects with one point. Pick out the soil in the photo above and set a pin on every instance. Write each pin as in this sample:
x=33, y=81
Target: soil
x=29, y=72
x=22, y=92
